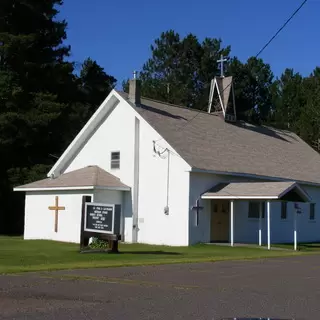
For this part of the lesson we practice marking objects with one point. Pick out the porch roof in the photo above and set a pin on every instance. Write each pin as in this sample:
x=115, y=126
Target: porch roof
x=286, y=191
x=90, y=177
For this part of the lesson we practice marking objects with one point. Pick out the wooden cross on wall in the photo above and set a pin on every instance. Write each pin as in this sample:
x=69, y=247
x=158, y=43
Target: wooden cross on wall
x=198, y=208
x=56, y=208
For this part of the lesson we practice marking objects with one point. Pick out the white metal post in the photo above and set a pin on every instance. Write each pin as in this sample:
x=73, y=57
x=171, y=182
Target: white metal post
x=231, y=223
x=260, y=224
x=295, y=230
x=268, y=218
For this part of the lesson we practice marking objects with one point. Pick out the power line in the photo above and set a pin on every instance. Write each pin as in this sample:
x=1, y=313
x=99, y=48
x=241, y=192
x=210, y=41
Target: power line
x=283, y=26
x=256, y=56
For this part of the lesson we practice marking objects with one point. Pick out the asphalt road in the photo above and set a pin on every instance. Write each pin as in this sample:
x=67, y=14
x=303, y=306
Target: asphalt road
x=280, y=288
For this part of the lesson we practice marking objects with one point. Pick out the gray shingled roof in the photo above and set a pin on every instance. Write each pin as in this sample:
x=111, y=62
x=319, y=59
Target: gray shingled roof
x=91, y=176
x=210, y=143
x=258, y=190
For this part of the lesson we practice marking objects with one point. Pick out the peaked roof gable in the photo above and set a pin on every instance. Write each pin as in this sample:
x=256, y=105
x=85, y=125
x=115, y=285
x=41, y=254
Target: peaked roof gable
x=105, y=109
x=101, y=114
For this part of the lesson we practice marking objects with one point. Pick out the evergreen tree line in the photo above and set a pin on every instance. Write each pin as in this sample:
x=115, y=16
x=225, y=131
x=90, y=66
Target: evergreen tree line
x=45, y=100
x=180, y=70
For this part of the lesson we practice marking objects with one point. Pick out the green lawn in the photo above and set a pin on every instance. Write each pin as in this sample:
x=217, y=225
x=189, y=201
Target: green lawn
x=305, y=247
x=18, y=255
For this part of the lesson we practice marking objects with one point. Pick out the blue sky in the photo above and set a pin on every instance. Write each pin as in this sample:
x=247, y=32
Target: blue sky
x=118, y=34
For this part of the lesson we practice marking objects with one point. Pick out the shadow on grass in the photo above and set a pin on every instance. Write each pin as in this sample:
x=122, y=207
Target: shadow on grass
x=310, y=245
x=137, y=252
x=159, y=252
x=315, y=246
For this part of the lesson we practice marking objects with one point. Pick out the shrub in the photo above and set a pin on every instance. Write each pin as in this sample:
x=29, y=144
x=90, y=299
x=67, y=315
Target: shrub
x=98, y=244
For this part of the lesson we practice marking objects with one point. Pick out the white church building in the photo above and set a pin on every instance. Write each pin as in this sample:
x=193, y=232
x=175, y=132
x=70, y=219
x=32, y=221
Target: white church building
x=182, y=176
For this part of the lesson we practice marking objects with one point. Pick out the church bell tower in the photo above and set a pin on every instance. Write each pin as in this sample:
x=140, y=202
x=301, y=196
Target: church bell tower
x=221, y=97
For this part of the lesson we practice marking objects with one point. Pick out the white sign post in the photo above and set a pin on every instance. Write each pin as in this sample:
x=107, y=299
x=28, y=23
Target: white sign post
x=295, y=231
x=295, y=213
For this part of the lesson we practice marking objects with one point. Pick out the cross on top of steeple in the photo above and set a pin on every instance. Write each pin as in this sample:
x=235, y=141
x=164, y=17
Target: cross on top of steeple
x=221, y=63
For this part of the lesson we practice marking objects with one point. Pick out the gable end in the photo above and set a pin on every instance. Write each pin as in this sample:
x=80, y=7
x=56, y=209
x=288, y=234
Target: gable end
x=101, y=114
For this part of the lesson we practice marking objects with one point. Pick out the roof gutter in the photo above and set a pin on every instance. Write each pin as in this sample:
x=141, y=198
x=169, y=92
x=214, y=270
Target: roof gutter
x=253, y=176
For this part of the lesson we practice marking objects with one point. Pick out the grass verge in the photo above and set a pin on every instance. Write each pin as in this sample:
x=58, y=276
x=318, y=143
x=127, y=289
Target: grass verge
x=18, y=255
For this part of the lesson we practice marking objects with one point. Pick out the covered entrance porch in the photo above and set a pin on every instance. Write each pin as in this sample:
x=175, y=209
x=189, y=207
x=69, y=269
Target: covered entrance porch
x=224, y=196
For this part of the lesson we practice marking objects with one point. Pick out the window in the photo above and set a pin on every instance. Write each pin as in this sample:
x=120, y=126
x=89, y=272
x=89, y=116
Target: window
x=115, y=160
x=254, y=208
x=312, y=211
x=283, y=210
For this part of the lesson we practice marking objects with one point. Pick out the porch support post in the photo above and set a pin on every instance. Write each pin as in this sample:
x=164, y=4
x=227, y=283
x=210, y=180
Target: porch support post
x=231, y=223
x=295, y=229
x=268, y=221
x=260, y=224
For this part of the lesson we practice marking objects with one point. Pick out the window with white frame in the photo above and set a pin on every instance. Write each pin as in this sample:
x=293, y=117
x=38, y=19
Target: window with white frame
x=312, y=214
x=254, y=209
x=283, y=210
x=115, y=160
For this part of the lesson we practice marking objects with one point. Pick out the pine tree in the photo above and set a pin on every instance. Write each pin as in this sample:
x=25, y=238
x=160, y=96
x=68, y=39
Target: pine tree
x=93, y=86
x=180, y=70
x=34, y=83
x=253, y=81
x=288, y=99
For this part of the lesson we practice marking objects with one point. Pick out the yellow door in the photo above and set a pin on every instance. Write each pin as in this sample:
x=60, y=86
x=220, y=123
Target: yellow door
x=219, y=220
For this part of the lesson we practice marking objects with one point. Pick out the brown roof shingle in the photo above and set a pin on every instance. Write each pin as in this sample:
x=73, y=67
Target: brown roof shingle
x=249, y=189
x=257, y=190
x=91, y=176
x=210, y=143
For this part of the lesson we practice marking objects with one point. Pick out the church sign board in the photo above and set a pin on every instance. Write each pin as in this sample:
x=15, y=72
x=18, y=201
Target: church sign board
x=102, y=221
x=102, y=218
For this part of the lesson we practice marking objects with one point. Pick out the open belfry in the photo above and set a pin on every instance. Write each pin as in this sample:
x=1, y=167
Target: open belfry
x=222, y=97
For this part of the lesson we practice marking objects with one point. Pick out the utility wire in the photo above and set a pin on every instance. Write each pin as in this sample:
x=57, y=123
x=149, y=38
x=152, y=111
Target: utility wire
x=284, y=25
x=261, y=50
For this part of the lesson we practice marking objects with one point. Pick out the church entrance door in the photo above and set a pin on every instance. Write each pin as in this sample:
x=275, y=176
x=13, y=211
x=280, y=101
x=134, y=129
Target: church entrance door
x=220, y=220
